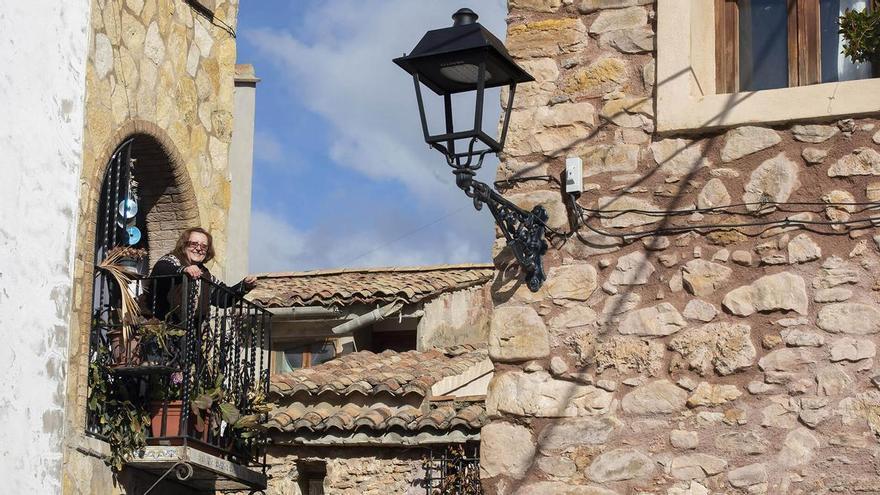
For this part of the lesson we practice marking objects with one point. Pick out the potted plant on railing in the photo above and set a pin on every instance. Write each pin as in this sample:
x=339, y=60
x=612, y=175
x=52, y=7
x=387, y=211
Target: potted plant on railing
x=158, y=341
x=123, y=348
x=861, y=35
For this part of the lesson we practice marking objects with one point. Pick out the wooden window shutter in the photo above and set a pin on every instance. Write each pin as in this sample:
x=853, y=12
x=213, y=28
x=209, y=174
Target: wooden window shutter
x=805, y=52
x=726, y=46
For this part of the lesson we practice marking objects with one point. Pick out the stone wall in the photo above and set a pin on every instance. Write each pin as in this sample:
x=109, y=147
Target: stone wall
x=731, y=353
x=350, y=470
x=455, y=318
x=162, y=72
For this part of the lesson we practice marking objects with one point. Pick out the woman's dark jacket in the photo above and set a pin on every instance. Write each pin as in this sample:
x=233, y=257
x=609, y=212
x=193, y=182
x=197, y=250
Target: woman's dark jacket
x=166, y=295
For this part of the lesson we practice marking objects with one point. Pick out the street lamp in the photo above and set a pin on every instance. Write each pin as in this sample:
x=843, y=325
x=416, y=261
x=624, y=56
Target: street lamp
x=467, y=57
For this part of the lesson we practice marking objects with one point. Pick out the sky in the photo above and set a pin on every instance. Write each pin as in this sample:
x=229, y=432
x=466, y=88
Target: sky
x=342, y=175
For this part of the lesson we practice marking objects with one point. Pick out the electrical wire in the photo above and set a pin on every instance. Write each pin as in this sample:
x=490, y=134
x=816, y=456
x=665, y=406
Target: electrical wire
x=583, y=215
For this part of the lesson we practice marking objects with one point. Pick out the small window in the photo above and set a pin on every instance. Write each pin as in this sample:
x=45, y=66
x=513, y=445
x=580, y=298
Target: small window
x=767, y=44
x=311, y=477
x=305, y=355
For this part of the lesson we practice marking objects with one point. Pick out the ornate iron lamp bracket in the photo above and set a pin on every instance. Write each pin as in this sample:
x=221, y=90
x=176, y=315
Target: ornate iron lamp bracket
x=523, y=230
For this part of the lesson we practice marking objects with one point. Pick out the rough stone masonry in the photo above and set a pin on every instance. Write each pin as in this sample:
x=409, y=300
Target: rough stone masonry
x=732, y=353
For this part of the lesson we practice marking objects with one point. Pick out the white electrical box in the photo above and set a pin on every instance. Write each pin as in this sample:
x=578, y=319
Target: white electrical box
x=574, y=174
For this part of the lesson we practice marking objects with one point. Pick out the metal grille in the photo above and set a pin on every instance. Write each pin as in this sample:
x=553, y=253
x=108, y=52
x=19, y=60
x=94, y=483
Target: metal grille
x=453, y=470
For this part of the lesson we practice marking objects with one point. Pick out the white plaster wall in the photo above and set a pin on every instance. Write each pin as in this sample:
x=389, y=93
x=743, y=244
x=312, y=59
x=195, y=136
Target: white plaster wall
x=43, y=45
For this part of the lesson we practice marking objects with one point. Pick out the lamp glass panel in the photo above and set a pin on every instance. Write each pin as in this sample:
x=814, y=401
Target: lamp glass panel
x=464, y=73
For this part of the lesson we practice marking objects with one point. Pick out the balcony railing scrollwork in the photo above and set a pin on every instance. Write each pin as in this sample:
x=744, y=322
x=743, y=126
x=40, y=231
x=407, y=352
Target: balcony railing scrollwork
x=190, y=368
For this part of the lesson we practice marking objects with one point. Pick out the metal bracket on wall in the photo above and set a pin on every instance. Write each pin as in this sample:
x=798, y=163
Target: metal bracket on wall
x=182, y=470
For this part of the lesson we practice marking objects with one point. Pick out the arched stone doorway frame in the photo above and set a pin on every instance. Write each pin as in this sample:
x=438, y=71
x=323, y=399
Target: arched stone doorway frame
x=92, y=181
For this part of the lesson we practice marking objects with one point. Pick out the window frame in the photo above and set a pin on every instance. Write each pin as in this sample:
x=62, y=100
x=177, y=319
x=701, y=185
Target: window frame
x=686, y=96
x=804, y=44
x=278, y=353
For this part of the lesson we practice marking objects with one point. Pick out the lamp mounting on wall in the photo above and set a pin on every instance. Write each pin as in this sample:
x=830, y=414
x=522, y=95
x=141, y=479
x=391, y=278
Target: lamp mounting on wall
x=462, y=58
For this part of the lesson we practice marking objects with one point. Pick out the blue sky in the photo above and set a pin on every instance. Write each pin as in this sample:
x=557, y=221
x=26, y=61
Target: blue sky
x=342, y=176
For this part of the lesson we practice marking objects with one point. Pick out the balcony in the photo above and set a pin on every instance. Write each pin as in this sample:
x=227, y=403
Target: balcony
x=178, y=375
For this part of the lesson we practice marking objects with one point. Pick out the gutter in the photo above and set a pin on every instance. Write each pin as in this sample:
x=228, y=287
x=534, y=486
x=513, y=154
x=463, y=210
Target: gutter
x=363, y=320
x=286, y=314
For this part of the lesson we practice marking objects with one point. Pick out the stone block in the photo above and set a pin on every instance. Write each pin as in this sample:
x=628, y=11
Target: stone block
x=724, y=346
x=781, y=291
x=575, y=282
x=620, y=465
x=862, y=161
x=505, y=449
x=617, y=19
x=773, y=180
x=546, y=38
x=849, y=318
x=517, y=333
x=658, y=397
x=538, y=394
x=746, y=140
x=656, y=321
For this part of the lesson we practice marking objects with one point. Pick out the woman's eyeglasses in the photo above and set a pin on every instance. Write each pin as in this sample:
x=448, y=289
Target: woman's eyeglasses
x=198, y=246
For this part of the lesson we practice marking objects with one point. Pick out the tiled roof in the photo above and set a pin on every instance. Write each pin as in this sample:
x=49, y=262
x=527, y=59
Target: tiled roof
x=343, y=394
x=365, y=286
x=377, y=417
x=367, y=373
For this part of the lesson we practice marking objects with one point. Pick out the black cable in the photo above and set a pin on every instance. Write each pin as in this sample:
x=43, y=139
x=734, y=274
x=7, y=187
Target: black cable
x=724, y=209
x=553, y=234
x=801, y=224
x=209, y=15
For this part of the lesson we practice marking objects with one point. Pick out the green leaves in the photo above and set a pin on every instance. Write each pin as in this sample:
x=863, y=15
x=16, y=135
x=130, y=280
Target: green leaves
x=229, y=413
x=861, y=34
x=117, y=418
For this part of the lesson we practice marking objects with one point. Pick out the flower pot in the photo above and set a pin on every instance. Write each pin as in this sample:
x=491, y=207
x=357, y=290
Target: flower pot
x=122, y=353
x=172, y=418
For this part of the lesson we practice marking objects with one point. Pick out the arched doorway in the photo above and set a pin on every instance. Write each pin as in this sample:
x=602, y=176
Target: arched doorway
x=144, y=204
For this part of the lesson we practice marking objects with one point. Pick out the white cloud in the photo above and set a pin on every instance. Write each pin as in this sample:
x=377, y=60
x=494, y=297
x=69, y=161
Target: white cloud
x=389, y=241
x=267, y=148
x=339, y=67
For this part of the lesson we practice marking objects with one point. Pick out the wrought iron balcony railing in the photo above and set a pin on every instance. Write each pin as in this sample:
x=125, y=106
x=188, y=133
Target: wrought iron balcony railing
x=190, y=364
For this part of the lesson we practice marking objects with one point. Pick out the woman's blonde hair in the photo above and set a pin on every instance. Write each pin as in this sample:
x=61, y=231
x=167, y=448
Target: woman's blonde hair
x=180, y=247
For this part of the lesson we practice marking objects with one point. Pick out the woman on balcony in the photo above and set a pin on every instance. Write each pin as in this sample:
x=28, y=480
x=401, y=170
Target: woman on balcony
x=194, y=248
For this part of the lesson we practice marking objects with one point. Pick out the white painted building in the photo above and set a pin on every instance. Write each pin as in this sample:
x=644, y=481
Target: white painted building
x=43, y=49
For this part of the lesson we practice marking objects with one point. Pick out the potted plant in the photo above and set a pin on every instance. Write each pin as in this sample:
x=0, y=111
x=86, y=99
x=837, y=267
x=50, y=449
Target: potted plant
x=861, y=35
x=157, y=341
x=166, y=405
x=123, y=348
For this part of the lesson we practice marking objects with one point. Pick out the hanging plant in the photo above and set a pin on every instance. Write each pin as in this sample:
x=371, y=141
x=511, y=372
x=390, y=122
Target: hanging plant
x=118, y=417
x=861, y=34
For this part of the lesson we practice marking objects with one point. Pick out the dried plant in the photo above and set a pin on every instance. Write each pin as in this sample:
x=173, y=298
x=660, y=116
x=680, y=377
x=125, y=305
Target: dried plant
x=130, y=310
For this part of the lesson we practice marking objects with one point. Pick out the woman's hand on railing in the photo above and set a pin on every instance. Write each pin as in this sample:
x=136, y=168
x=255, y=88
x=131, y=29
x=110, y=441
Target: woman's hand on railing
x=193, y=271
x=249, y=282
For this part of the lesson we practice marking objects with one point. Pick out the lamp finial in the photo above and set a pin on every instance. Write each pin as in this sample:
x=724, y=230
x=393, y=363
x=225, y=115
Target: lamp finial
x=464, y=16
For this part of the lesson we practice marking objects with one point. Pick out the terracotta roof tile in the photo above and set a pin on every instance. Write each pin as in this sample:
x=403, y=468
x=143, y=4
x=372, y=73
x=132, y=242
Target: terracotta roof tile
x=366, y=373
x=378, y=417
x=370, y=391
x=365, y=286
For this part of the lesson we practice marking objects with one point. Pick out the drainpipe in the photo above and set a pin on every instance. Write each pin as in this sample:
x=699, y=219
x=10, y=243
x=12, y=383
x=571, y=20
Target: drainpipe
x=363, y=320
x=308, y=312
